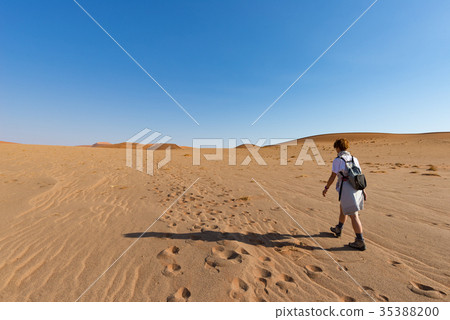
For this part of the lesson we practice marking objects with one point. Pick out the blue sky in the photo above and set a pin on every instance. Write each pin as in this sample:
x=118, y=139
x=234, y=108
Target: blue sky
x=63, y=81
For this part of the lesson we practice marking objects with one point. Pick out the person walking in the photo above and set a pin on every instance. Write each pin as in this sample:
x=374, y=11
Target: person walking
x=351, y=200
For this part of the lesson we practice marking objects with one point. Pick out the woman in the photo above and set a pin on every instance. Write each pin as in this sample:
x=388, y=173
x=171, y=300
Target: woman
x=351, y=200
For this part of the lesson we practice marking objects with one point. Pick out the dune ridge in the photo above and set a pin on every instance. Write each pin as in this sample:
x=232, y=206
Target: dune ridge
x=123, y=145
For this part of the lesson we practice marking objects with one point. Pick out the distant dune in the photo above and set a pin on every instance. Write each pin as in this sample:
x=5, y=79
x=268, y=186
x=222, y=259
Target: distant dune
x=123, y=145
x=376, y=135
x=102, y=144
x=372, y=136
x=8, y=142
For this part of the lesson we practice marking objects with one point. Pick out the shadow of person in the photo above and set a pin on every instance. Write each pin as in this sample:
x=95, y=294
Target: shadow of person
x=319, y=235
x=269, y=240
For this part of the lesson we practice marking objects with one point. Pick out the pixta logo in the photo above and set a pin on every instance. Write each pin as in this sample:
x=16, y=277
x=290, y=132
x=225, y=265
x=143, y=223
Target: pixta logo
x=253, y=150
x=143, y=141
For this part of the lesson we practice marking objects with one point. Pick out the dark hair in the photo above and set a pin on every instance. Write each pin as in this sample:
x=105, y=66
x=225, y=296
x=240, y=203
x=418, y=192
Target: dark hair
x=341, y=144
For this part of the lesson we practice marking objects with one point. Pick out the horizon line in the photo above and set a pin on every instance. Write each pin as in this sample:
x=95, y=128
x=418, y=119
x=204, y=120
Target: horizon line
x=287, y=139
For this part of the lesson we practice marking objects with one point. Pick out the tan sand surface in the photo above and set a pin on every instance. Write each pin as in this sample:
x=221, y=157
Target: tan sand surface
x=68, y=213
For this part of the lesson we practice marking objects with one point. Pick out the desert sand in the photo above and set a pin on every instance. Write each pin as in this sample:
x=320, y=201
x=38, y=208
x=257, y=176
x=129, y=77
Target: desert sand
x=68, y=213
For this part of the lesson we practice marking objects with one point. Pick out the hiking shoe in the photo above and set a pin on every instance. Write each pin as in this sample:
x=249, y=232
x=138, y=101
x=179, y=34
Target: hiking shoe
x=337, y=231
x=358, y=244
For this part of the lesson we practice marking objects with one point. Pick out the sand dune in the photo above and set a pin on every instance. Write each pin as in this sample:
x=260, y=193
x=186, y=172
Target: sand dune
x=123, y=145
x=102, y=144
x=68, y=213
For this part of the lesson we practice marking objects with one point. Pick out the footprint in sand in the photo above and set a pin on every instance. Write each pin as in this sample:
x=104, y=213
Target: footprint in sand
x=181, y=295
x=378, y=297
x=264, y=259
x=227, y=254
x=169, y=253
x=262, y=273
x=284, y=282
x=342, y=268
x=282, y=286
x=396, y=264
x=259, y=293
x=239, y=285
x=238, y=289
x=293, y=253
x=242, y=251
x=425, y=290
x=286, y=278
x=212, y=265
x=346, y=299
x=171, y=270
x=263, y=281
x=195, y=227
x=313, y=271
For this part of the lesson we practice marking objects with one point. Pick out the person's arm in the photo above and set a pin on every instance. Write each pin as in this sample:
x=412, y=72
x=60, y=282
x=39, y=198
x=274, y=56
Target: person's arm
x=329, y=183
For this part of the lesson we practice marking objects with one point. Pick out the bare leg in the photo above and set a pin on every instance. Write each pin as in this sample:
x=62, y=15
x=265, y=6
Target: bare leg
x=342, y=217
x=356, y=223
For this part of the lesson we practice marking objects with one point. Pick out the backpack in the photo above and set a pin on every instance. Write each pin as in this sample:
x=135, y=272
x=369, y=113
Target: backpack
x=355, y=176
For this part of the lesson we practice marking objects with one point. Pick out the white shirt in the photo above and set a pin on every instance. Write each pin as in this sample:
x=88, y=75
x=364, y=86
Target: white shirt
x=339, y=165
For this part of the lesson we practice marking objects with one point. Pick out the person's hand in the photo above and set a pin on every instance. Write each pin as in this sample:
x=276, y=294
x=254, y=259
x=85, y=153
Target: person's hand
x=365, y=195
x=324, y=192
